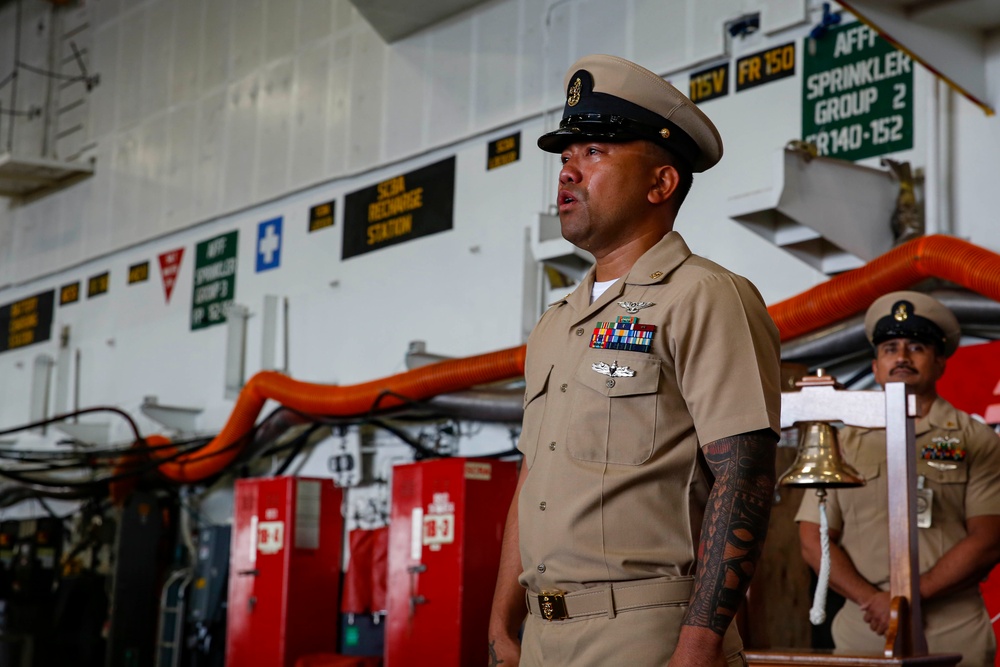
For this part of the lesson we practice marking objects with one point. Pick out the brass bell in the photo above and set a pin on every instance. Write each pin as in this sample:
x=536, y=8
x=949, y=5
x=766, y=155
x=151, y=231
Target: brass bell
x=818, y=462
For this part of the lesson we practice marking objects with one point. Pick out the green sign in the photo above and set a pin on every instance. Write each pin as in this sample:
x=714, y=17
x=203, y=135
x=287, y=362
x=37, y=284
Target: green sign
x=857, y=94
x=214, y=280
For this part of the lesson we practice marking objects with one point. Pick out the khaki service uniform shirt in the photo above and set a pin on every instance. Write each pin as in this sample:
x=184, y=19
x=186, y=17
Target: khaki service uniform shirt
x=970, y=487
x=614, y=490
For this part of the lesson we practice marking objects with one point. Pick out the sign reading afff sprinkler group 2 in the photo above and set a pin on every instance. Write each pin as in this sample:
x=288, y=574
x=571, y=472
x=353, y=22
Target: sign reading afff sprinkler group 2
x=857, y=94
x=214, y=280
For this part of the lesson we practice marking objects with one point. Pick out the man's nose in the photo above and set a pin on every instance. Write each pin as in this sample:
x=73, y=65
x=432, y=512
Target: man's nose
x=569, y=173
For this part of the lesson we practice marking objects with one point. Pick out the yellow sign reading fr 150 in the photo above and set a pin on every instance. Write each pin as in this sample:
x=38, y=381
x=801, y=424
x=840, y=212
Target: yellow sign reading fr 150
x=765, y=66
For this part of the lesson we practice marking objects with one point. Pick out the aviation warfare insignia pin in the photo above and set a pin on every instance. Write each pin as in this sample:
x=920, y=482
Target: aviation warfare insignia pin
x=625, y=333
x=633, y=307
x=614, y=370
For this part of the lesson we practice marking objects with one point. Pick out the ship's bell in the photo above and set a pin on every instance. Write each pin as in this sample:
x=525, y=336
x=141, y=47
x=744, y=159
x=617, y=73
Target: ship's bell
x=819, y=463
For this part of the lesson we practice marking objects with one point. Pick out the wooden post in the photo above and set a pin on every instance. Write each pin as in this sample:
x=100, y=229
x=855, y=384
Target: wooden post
x=904, y=572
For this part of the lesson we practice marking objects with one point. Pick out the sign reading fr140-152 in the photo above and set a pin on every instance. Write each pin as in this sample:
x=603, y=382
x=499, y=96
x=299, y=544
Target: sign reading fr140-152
x=857, y=94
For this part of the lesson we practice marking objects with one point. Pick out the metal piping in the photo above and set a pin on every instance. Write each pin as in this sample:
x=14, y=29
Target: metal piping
x=978, y=316
x=486, y=405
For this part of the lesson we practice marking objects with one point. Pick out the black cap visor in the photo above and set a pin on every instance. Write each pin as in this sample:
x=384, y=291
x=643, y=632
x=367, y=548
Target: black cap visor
x=914, y=327
x=615, y=128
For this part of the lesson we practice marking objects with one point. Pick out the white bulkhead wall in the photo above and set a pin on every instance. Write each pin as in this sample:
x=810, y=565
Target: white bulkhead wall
x=215, y=116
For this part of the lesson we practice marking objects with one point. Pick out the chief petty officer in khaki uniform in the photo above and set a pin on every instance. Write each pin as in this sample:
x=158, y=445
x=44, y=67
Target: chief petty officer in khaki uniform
x=625, y=551
x=958, y=473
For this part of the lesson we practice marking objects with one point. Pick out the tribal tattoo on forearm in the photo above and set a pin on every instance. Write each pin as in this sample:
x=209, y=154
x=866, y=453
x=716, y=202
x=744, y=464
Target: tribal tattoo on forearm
x=494, y=661
x=732, y=534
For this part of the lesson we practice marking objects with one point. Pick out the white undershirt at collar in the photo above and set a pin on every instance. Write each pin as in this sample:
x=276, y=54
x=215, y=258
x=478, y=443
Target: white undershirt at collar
x=600, y=288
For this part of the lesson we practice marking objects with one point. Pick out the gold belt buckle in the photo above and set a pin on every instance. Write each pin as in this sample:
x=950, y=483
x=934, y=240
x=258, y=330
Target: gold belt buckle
x=552, y=605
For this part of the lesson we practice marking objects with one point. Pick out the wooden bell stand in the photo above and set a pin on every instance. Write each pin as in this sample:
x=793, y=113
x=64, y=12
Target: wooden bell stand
x=892, y=410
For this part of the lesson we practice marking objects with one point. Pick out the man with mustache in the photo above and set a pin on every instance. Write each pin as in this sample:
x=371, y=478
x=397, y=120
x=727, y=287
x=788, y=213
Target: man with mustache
x=958, y=481
x=651, y=406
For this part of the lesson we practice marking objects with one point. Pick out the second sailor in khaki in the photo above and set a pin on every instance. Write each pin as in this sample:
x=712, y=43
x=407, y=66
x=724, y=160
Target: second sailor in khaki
x=958, y=472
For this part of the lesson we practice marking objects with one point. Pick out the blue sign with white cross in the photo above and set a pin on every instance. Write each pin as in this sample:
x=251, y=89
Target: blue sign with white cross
x=269, y=245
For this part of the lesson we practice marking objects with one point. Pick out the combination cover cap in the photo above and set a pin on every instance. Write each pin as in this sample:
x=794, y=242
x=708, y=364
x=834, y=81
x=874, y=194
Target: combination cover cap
x=612, y=99
x=913, y=315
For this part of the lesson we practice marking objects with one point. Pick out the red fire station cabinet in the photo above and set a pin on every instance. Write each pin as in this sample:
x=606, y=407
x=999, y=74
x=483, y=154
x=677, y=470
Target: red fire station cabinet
x=447, y=525
x=284, y=571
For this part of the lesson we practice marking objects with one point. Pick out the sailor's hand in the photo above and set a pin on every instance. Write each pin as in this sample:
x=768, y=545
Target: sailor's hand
x=504, y=651
x=876, y=609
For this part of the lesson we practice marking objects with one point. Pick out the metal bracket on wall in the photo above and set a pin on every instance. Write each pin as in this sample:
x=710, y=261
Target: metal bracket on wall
x=236, y=349
x=173, y=417
x=832, y=214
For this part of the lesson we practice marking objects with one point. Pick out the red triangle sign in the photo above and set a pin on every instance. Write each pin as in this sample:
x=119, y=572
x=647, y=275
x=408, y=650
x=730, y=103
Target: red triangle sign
x=170, y=264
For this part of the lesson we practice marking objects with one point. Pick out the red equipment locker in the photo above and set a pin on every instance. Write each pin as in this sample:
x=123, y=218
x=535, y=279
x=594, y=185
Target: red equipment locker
x=284, y=571
x=447, y=525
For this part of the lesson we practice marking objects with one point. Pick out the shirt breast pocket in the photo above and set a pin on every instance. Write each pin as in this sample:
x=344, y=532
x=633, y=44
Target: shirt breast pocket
x=865, y=506
x=948, y=480
x=535, y=390
x=613, y=419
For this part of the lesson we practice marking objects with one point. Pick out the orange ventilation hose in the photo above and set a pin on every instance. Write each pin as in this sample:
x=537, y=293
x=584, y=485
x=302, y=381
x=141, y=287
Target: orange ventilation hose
x=935, y=256
x=943, y=257
x=417, y=384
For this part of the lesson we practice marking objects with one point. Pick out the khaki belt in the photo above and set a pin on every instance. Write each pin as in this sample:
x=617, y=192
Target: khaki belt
x=610, y=598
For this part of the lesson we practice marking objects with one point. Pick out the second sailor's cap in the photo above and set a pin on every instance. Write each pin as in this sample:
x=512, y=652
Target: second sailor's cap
x=913, y=315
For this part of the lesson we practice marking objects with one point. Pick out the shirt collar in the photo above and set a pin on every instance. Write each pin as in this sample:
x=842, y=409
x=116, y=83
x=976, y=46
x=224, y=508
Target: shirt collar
x=652, y=267
x=659, y=261
x=942, y=416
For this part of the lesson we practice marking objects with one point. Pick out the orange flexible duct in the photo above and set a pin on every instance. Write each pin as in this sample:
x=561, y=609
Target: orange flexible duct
x=935, y=256
x=943, y=257
x=417, y=384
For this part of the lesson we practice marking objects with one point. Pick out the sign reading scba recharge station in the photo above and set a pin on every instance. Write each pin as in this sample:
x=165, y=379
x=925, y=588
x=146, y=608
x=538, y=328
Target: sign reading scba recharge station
x=400, y=209
x=26, y=321
x=857, y=94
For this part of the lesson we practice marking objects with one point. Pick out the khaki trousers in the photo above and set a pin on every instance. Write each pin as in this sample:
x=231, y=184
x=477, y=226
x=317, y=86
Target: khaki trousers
x=955, y=624
x=640, y=638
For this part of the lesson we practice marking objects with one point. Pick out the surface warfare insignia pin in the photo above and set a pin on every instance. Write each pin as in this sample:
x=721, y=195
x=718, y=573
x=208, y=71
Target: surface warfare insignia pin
x=633, y=307
x=614, y=370
x=623, y=334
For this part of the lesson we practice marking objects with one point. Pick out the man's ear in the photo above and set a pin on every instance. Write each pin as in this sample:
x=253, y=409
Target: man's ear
x=664, y=185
